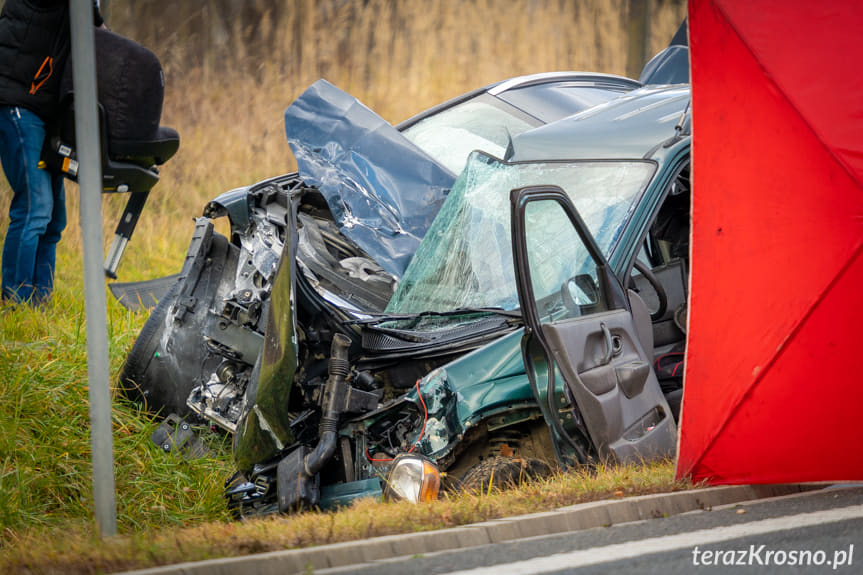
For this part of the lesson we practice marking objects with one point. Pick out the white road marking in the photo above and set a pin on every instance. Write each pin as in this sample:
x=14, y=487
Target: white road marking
x=630, y=549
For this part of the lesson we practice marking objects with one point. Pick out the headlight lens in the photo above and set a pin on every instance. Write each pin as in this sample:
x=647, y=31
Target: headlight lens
x=412, y=478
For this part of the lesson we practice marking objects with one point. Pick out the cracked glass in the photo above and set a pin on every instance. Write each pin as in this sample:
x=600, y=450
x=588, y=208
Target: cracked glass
x=465, y=258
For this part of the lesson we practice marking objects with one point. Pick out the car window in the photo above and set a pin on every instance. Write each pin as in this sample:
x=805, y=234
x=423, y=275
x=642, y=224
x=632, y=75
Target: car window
x=563, y=274
x=478, y=124
x=465, y=258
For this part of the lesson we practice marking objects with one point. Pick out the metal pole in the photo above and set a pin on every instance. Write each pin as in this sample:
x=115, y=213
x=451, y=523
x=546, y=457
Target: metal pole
x=90, y=183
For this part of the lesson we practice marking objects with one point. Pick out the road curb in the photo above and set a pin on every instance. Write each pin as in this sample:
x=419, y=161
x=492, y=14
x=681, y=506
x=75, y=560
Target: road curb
x=572, y=518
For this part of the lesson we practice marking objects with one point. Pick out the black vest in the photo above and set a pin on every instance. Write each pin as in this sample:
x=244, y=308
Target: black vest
x=34, y=47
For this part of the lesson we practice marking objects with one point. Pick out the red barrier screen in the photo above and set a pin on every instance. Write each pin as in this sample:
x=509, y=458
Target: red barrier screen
x=774, y=369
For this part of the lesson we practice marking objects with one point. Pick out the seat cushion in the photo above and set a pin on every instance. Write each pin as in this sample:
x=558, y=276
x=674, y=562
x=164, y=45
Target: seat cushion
x=157, y=151
x=131, y=87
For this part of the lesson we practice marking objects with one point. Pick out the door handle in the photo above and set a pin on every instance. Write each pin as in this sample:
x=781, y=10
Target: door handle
x=609, y=345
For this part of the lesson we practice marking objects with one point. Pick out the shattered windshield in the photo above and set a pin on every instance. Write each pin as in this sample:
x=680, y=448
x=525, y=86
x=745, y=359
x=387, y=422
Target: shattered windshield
x=465, y=258
x=450, y=136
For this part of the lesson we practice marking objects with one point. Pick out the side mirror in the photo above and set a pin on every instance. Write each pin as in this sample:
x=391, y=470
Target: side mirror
x=580, y=291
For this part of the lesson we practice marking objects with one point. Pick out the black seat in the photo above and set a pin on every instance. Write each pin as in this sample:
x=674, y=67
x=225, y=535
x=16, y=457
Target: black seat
x=127, y=165
x=156, y=151
x=131, y=90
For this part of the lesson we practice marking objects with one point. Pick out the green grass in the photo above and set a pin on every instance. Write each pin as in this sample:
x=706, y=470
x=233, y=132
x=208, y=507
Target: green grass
x=46, y=476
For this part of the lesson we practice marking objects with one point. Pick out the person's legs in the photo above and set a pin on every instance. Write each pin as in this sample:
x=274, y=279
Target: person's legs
x=46, y=254
x=35, y=222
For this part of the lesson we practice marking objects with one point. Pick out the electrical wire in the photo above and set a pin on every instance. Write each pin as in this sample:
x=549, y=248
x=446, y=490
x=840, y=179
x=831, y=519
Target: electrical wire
x=422, y=431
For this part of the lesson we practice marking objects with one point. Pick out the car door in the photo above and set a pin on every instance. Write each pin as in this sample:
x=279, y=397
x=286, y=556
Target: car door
x=590, y=375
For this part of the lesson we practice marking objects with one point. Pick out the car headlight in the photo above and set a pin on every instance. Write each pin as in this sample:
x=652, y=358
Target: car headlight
x=412, y=478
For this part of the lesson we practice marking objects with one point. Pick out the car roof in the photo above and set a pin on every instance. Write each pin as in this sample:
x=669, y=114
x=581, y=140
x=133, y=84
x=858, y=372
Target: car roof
x=630, y=126
x=538, y=95
x=584, y=78
x=551, y=97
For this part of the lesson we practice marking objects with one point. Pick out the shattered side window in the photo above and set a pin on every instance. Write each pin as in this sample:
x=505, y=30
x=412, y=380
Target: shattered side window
x=465, y=258
x=559, y=262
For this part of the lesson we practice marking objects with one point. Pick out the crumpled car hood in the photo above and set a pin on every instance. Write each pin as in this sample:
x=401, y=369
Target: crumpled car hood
x=382, y=190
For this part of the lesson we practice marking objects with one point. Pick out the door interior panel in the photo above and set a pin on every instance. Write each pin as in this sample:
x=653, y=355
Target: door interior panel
x=629, y=418
x=632, y=376
x=577, y=316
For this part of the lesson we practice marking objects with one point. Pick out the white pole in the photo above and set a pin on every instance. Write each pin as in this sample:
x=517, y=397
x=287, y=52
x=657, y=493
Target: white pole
x=90, y=183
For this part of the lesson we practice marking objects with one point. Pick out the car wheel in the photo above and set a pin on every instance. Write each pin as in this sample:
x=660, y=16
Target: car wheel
x=501, y=472
x=139, y=358
x=167, y=360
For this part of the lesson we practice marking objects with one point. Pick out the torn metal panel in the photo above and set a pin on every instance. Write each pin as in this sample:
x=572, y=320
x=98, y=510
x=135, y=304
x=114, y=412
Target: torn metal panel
x=383, y=191
x=175, y=434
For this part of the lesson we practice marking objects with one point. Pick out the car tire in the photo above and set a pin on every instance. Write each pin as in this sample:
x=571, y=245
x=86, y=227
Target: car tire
x=167, y=360
x=141, y=354
x=501, y=472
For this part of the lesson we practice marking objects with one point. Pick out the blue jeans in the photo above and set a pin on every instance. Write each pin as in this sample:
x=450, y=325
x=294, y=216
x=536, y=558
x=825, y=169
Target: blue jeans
x=37, y=214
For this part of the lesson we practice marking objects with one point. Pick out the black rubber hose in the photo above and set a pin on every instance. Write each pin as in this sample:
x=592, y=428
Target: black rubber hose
x=334, y=394
x=325, y=448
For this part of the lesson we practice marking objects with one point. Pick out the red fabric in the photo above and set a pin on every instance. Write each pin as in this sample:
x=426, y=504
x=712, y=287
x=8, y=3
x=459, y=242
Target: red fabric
x=774, y=369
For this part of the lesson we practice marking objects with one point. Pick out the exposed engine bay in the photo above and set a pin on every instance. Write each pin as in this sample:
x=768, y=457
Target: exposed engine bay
x=359, y=328
x=223, y=294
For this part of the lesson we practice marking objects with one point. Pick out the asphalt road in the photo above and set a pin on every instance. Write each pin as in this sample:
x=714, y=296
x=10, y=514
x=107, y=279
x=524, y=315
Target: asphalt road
x=816, y=532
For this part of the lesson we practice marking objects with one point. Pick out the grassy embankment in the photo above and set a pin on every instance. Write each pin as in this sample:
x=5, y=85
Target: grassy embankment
x=398, y=59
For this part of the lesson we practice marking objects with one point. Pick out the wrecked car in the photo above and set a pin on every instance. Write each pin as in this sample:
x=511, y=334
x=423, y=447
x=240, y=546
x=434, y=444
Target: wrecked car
x=374, y=319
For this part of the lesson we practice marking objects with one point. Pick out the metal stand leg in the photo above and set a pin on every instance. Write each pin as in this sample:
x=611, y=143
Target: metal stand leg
x=124, y=230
